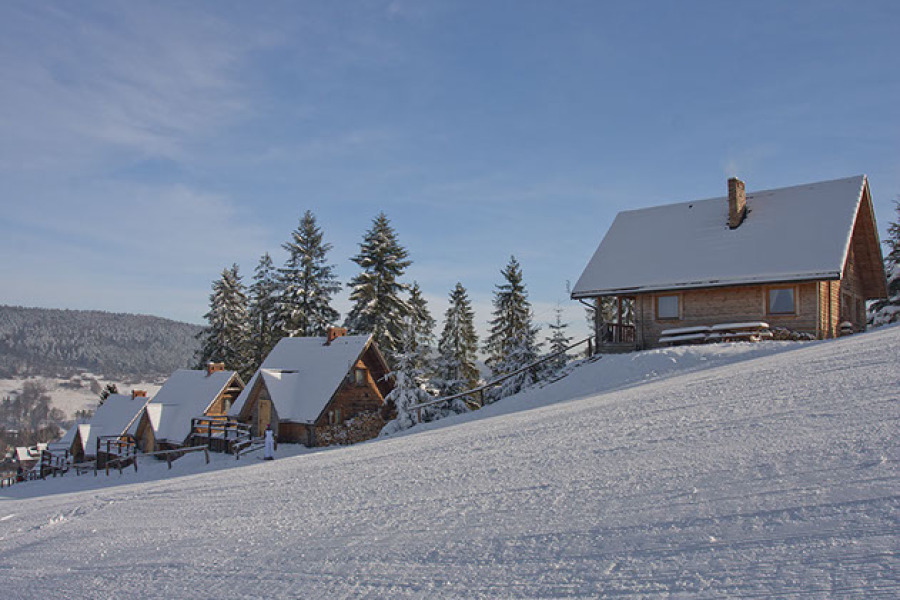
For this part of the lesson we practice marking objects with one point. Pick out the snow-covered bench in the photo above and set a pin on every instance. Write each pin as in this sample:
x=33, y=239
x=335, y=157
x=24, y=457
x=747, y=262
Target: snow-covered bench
x=752, y=331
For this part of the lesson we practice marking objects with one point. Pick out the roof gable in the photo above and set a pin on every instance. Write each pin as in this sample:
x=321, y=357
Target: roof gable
x=185, y=395
x=116, y=416
x=302, y=374
x=790, y=234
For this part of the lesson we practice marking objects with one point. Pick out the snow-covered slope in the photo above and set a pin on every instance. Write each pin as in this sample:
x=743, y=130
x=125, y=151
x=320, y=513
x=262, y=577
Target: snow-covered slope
x=771, y=477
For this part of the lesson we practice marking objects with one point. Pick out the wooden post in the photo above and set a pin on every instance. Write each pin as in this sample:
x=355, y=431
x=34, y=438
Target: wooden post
x=169, y=460
x=209, y=435
x=206, y=452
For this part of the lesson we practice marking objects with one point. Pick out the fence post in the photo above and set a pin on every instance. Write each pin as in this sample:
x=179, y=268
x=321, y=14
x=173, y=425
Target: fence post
x=206, y=452
x=169, y=460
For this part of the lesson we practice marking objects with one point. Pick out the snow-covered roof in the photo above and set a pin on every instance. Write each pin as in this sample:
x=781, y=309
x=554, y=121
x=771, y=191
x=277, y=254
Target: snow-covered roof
x=303, y=373
x=116, y=416
x=185, y=395
x=26, y=453
x=65, y=442
x=795, y=233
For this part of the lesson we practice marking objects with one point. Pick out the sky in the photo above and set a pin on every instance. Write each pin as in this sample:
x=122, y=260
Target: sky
x=144, y=147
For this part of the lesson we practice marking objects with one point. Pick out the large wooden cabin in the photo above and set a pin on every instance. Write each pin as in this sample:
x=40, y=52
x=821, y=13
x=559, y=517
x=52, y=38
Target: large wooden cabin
x=318, y=391
x=805, y=258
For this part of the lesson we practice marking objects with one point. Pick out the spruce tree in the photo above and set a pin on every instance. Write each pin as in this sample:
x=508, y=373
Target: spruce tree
x=106, y=392
x=264, y=295
x=512, y=342
x=227, y=337
x=408, y=381
x=887, y=310
x=458, y=347
x=307, y=282
x=378, y=307
x=423, y=325
x=558, y=341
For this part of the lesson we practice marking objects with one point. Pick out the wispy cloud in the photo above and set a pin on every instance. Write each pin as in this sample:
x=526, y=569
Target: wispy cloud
x=133, y=78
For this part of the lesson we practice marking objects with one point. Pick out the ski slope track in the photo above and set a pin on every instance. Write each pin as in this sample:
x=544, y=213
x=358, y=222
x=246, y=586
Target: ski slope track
x=775, y=476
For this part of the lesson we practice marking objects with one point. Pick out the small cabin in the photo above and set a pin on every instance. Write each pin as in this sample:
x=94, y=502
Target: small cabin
x=318, y=391
x=187, y=394
x=114, y=421
x=805, y=258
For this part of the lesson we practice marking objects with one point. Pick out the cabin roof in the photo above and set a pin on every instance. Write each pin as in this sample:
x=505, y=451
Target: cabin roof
x=185, y=395
x=303, y=373
x=796, y=233
x=117, y=415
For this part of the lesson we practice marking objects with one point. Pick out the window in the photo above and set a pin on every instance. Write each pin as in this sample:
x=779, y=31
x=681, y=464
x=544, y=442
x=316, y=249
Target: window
x=781, y=301
x=360, y=376
x=667, y=307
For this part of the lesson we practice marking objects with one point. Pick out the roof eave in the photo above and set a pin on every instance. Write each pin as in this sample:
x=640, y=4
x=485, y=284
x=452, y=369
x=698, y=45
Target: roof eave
x=695, y=285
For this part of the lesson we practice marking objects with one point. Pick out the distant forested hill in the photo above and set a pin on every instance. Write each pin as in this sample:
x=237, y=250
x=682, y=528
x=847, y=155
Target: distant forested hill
x=50, y=342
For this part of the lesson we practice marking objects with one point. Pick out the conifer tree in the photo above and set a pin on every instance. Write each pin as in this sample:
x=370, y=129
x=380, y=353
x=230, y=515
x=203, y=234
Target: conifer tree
x=458, y=346
x=106, y=392
x=408, y=381
x=423, y=325
x=227, y=337
x=558, y=341
x=263, y=310
x=378, y=307
x=307, y=282
x=887, y=310
x=512, y=341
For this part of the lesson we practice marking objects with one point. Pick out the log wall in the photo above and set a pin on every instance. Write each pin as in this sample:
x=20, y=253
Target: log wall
x=713, y=306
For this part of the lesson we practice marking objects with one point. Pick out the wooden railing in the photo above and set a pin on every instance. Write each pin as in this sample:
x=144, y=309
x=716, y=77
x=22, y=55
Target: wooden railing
x=616, y=333
x=220, y=433
x=475, y=397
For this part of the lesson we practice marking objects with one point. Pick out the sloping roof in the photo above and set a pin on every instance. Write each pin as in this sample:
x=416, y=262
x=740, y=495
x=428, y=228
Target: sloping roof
x=65, y=442
x=303, y=373
x=795, y=233
x=184, y=395
x=116, y=416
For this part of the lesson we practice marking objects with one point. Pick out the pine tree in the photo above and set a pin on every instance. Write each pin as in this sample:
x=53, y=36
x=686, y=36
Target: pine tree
x=558, y=341
x=376, y=292
x=408, y=381
x=887, y=310
x=227, y=338
x=307, y=283
x=263, y=311
x=106, y=392
x=512, y=341
x=423, y=325
x=458, y=347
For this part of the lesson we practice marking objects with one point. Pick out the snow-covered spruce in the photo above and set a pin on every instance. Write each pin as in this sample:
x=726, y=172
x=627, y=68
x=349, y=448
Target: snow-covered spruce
x=263, y=311
x=376, y=292
x=512, y=342
x=882, y=312
x=455, y=369
x=306, y=283
x=409, y=384
x=227, y=337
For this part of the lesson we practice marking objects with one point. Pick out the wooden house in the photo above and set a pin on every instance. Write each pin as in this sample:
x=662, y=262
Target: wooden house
x=187, y=394
x=805, y=258
x=115, y=419
x=310, y=389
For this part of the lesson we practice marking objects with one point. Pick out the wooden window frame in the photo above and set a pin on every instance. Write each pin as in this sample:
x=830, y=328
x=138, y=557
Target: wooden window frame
x=795, y=295
x=679, y=308
x=359, y=376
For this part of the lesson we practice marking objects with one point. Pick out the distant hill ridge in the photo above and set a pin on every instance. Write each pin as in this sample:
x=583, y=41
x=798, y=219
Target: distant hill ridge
x=61, y=342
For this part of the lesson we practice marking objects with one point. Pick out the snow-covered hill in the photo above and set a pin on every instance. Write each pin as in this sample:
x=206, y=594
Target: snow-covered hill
x=767, y=471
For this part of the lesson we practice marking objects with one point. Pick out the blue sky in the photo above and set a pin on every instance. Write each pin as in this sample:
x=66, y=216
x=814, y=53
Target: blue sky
x=145, y=146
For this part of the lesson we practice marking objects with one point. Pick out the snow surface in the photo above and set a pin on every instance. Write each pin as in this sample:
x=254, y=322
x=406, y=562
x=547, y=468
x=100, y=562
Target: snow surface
x=185, y=395
x=728, y=471
x=303, y=375
x=689, y=244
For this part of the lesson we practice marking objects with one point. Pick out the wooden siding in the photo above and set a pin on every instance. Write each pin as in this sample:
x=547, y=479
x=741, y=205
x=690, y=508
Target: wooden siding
x=712, y=306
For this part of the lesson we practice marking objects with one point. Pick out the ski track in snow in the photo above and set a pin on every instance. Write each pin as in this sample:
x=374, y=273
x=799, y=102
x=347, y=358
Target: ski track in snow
x=772, y=475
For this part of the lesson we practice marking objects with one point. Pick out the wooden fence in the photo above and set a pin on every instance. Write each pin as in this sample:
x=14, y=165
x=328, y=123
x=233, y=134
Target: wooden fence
x=220, y=433
x=475, y=398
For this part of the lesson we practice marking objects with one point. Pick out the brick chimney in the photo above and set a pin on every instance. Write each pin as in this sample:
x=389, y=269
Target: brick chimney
x=333, y=333
x=737, y=202
x=214, y=367
x=138, y=394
